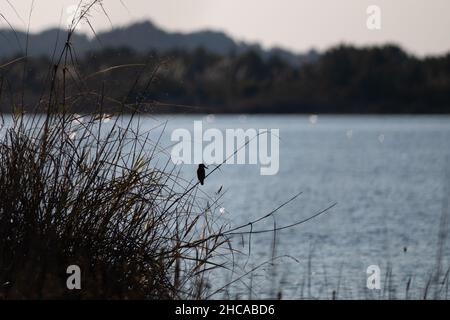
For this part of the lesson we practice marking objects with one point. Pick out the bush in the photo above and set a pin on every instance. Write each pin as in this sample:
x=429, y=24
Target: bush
x=77, y=190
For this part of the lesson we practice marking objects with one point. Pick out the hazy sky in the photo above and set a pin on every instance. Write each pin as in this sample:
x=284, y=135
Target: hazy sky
x=420, y=26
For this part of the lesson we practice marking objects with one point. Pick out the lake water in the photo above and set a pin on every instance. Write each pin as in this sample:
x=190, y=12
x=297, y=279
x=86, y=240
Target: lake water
x=388, y=176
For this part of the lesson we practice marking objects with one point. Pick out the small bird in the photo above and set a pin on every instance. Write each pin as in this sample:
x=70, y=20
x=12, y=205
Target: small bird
x=201, y=173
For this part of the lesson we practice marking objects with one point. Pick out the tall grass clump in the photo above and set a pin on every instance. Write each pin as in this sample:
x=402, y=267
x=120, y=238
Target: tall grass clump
x=73, y=195
x=86, y=190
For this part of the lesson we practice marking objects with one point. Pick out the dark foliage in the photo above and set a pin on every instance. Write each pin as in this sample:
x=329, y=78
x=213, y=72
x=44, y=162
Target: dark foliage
x=343, y=80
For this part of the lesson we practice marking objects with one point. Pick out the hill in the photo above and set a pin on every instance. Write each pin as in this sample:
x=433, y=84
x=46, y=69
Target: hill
x=140, y=37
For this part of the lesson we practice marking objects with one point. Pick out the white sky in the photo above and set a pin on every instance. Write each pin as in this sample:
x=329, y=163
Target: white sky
x=420, y=26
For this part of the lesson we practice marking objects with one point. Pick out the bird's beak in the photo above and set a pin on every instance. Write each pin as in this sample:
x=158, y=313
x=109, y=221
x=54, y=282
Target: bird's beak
x=206, y=167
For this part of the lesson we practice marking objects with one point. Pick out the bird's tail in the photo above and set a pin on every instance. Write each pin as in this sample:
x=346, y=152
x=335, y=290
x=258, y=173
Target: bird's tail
x=201, y=182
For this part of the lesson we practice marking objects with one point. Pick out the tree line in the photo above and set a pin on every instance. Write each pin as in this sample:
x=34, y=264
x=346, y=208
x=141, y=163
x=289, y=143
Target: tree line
x=344, y=79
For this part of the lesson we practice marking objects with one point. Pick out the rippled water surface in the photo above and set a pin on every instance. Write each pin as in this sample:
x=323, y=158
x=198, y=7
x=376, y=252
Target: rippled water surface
x=388, y=177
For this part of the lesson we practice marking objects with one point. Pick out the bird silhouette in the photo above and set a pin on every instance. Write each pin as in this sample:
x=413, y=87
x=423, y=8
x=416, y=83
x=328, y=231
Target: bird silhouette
x=201, y=173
